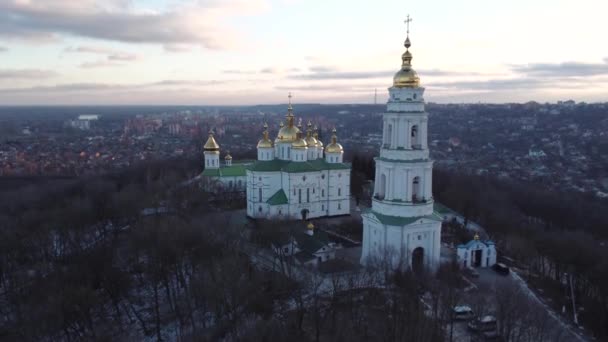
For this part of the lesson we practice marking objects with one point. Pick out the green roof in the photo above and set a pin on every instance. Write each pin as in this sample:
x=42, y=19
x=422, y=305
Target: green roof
x=278, y=198
x=290, y=166
x=401, y=221
x=314, y=243
x=235, y=170
x=402, y=161
x=442, y=209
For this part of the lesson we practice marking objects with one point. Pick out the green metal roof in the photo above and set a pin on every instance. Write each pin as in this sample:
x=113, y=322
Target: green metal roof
x=278, y=198
x=289, y=166
x=442, y=209
x=314, y=243
x=235, y=170
x=401, y=221
x=402, y=161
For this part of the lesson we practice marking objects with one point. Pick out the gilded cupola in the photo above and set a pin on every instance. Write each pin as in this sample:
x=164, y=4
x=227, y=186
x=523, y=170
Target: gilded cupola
x=406, y=77
x=334, y=147
x=316, y=136
x=299, y=142
x=211, y=145
x=310, y=139
x=265, y=142
x=288, y=132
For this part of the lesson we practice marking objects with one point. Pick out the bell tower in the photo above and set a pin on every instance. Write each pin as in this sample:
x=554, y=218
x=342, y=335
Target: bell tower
x=401, y=218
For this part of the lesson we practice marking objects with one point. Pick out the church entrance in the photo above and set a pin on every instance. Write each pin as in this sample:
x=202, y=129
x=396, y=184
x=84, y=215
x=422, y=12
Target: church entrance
x=476, y=257
x=418, y=260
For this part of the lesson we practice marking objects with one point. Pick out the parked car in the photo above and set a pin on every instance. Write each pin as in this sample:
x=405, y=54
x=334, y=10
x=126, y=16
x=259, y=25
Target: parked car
x=462, y=313
x=485, y=323
x=501, y=268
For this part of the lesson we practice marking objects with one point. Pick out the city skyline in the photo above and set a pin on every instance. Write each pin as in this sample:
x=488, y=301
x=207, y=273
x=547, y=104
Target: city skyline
x=212, y=52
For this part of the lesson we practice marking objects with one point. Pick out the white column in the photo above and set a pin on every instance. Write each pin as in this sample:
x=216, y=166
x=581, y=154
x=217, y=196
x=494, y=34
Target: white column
x=385, y=132
x=408, y=186
x=423, y=136
x=408, y=135
x=394, y=142
x=400, y=141
x=428, y=182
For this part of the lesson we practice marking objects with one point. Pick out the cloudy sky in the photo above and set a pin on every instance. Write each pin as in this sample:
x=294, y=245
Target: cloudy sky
x=329, y=51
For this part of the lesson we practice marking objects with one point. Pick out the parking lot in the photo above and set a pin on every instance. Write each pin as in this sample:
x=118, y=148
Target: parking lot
x=484, y=292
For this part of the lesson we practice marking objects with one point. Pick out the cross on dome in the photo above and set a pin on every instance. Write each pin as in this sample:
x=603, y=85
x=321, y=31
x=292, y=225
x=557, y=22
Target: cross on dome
x=407, y=22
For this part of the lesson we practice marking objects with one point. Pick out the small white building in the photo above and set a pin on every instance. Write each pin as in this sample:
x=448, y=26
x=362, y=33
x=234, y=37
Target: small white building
x=311, y=247
x=476, y=253
x=222, y=177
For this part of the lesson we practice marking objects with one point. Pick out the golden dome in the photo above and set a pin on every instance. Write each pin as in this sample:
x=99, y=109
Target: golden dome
x=288, y=132
x=265, y=142
x=228, y=156
x=310, y=226
x=310, y=140
x=334, y=147
x=406, y=77
x=316, y=136
x=211, y=145
x=299, y=142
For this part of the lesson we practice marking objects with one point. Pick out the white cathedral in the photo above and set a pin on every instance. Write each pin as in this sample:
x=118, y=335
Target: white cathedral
x=294, y=177
x=401, y=227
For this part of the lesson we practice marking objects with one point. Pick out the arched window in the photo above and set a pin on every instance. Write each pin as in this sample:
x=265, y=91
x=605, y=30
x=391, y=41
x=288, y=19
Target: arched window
x=339, y=192
x=322, y=192
x=415, y=137
x=260, y=194
x=416, y=195
x=299, y=195
x=308, y=195
x=381, y=187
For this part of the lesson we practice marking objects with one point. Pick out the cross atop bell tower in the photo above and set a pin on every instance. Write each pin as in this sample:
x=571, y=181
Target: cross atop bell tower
x=407, y=22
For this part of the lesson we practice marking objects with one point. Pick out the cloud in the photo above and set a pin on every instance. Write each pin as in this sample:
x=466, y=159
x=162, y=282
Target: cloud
x=321, y=69
x=270, y=70
x=331, y=73
x=100, y=64
x=346, y=75
x=26, y=74
x=101, y=87
x=111, y=53
x=521, y=83
x=238, y=72
x=112, y=56
x=3, y=49
x=563, y=69
x=193, y=23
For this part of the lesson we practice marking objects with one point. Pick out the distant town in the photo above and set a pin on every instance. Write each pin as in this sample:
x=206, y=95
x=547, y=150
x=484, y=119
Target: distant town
x=563, y=145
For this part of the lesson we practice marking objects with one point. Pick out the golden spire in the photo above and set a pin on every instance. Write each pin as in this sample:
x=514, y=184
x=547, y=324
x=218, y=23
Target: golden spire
x=289, y=115
x=288, y=133
x=316, y=136
x=310, y=226
x=476, y=237
x=334, y=147
x=310, y=140
x=211, y=145
x=406, y=77
x=265, y=142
